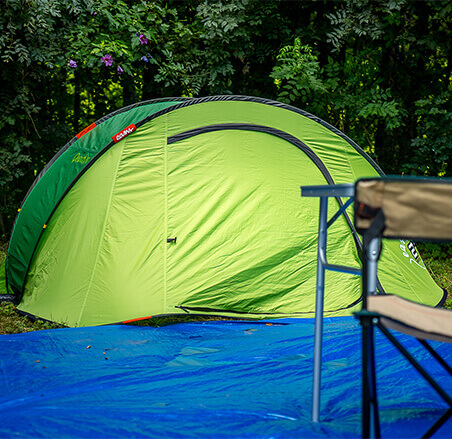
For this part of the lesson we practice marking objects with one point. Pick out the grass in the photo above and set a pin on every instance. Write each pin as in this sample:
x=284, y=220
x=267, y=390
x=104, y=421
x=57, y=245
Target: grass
x=437, y=258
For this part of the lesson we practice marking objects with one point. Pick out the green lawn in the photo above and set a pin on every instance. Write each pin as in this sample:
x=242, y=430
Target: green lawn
x=438, y=259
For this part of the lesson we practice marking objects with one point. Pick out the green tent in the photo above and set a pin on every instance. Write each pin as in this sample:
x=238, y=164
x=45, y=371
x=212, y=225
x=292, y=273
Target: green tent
x=193, y=206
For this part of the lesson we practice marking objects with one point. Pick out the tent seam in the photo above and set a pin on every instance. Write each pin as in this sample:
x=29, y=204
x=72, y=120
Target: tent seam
x=165, y=184
x=101, y=238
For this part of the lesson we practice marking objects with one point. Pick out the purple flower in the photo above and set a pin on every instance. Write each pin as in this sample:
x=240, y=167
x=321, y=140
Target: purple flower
x=72, y=64
x=119, y=69
x=144, y=58
x=94, y=13
x=143, y=39
x=107, y=60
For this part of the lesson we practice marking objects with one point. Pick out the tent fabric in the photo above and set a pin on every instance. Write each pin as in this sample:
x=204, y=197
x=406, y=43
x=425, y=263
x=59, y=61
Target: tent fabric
x=194, y=207
x=208, y=379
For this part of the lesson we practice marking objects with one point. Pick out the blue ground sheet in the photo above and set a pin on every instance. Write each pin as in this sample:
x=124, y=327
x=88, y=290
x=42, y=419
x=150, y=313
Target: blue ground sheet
x=208, y=379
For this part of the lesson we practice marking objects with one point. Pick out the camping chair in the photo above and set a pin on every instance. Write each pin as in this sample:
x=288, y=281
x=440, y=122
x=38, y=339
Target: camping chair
x=412, y=209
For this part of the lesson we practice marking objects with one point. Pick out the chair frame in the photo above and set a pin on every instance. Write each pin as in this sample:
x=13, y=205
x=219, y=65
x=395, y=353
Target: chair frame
x=369, y=320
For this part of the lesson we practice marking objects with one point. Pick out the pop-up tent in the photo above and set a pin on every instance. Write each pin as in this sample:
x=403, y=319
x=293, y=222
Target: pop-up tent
x=193, y=206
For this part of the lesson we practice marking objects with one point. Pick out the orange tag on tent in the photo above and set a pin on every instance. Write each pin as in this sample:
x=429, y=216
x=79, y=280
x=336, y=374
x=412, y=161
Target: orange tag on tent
x=124, y=133
x=87, y=129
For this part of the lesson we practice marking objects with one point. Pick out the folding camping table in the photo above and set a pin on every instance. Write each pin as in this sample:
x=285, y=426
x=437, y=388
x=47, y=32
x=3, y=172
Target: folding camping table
x=324, y=192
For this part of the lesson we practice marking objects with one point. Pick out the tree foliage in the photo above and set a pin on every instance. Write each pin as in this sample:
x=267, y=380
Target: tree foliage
x=386, y=75
x=378, y=70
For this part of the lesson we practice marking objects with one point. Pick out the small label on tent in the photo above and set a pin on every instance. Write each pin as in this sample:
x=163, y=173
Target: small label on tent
x=86, y=130
x=79, y=158
x=124, y=133
x=412, y=249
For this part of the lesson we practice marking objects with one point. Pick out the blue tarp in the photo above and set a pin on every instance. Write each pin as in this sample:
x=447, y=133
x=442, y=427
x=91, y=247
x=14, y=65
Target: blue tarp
x=208, y=379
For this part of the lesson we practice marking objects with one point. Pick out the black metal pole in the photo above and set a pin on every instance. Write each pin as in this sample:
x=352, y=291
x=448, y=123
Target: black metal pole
x=370, y=417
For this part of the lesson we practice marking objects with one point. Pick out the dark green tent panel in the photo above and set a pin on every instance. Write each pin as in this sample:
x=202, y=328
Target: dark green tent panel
x=193, y=206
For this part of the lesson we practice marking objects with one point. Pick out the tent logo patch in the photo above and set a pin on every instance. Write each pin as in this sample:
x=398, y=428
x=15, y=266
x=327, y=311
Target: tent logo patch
x=410, y=252
x=79, y=158
x=124, y=133
x=412, y=249
x=404, y=246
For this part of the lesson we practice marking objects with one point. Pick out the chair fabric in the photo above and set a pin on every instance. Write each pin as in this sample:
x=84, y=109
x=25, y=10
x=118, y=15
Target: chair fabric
x=413, y=208
x=415, y=319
